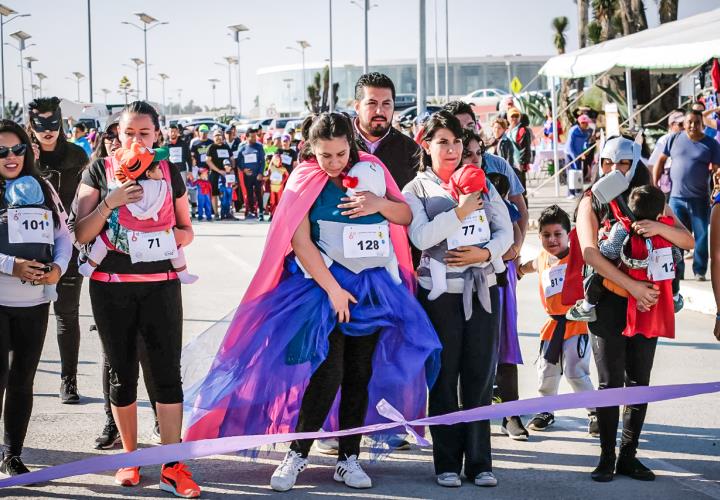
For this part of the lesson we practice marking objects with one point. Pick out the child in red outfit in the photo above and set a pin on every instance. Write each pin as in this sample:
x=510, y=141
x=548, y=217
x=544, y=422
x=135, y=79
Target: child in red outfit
x=204, y=194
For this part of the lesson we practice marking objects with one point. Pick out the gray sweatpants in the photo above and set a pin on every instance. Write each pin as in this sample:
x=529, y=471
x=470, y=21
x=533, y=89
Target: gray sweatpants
x=574, y=364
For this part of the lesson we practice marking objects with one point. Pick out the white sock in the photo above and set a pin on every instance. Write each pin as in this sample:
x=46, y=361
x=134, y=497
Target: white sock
x=186, y=278
x=438, y=274
x=86, y=269
x=587, y=306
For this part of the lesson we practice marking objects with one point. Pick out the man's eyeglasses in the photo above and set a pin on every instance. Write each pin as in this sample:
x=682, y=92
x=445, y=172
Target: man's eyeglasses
x=17, y=150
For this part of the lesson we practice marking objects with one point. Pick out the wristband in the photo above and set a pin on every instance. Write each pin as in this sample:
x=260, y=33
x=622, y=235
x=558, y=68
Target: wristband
x=106, y=204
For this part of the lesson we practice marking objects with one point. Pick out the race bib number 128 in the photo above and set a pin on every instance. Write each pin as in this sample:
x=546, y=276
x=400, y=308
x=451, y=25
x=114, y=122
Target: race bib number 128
x=370, y=240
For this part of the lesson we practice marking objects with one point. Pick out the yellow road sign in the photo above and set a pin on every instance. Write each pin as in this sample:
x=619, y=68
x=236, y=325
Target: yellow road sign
x=516, y=85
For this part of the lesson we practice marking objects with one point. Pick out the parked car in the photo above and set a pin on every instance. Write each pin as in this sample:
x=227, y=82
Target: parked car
x=484, y=97
x=280, y=124
x=410, y=113
x=404, y=101
x=194, y=124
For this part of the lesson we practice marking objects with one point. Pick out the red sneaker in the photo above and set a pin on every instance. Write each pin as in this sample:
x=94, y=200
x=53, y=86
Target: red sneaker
x=128, y=476
x=178, y=481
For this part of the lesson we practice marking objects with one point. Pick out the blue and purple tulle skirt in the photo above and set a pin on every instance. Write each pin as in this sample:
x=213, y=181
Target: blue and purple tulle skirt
x=257, y=379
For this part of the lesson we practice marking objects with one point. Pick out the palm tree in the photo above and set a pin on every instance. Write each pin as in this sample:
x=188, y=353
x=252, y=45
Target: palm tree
x=668, y=10
x=560, y=25
x=604, y=11
x=594, y=32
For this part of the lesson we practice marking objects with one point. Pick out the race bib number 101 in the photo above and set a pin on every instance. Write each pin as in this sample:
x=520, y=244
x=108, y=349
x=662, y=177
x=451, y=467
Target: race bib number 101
x=152, y=247
x=30, y=225
x=370, y=240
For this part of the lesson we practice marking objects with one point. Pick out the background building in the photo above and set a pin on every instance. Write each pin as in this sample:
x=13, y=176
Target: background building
x=281, y=92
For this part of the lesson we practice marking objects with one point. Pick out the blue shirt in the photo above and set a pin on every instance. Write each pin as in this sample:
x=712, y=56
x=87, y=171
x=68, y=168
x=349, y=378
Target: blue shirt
x=85, y=144
x=252, y=156
x=690, y=171
x=577, y=142
x=493, y=164
x=326, y=208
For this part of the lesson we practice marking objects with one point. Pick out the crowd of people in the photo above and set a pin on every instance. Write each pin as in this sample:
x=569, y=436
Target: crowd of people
x=362, y=216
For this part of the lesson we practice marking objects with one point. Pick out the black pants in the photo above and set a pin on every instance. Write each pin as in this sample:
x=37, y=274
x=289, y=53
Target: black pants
x=594, y=289
x=67, y=310
x=142, y=356
x=123, y=313
x=469, y=355
x=22, y=333
x=621, y=362
x=506, y=380
x=254, y=193
x=348, y=366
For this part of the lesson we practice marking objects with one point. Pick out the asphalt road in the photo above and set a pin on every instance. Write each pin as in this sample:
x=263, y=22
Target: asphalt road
x=681, y=440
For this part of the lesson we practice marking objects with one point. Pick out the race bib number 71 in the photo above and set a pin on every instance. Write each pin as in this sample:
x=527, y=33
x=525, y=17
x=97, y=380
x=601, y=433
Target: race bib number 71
x=152, y=247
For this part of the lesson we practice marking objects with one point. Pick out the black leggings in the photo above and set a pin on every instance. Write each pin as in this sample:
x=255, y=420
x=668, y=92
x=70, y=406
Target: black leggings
x=469, y=356
x=124, y=312
x=348, y=365
x=142, y=356
x=22, y=333
x=254, y=193
x=621, y=362
x=506, y=380
x=67, y=309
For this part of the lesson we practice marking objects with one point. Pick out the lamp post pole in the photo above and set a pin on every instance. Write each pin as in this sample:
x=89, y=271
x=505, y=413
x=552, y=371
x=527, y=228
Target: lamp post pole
x=146, y=20
x=236, y=30
x=5, y=12
x=331, y=96
x=422, y=63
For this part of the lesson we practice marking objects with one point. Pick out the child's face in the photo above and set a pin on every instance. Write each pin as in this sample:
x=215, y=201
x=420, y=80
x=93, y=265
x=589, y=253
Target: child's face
x=554, y=239
x=154, y=173
x=277, y=161
x=228, y=169
x=204, y=176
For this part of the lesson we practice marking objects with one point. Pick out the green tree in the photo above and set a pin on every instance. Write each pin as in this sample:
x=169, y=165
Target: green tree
x=318, y=92
x=13, y=111
x=125, y=87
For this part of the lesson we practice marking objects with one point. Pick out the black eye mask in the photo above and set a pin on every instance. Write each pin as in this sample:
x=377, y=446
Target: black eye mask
x=52, y=123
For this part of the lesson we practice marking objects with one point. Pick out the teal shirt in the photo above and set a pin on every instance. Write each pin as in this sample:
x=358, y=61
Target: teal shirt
x=325, y=208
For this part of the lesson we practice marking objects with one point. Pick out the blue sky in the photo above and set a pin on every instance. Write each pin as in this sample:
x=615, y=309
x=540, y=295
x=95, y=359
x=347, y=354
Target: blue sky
x=196, y=38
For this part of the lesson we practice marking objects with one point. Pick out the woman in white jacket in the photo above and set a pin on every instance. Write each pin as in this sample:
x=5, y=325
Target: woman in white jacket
x=35, y=248
x=467, y=315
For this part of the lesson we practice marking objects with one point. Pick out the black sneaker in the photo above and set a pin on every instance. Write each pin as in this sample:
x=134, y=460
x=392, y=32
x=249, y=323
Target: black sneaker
x=68, y=390
x=593, y=425
x=678, y=303
x=110, y=436
x=155, y=436
x=541, y=421
x=605, y=470
x=630, y=466
x=13, y=466
x=514, y=428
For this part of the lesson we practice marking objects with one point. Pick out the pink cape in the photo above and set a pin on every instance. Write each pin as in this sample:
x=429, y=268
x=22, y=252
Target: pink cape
x=302, y=189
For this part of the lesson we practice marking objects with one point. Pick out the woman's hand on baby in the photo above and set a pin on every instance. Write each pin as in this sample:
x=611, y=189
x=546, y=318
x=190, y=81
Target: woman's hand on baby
x=648, y=228
x=129, y=192
x=363, y=203
x=51, y=277
x=466, y=256
x=646, y=294
x=28, y=270
x=468, y=204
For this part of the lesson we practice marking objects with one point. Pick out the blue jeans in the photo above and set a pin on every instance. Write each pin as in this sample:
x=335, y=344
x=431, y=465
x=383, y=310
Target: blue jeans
x=694, y=213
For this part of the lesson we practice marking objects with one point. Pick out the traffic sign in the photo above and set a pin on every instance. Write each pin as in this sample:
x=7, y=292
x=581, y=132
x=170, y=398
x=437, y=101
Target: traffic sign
x=516, y=85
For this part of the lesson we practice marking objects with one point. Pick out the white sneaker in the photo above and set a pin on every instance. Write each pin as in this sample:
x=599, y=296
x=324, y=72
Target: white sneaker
x=349, y=472
x=486, y=479
x=284, y=477
x=449, y=480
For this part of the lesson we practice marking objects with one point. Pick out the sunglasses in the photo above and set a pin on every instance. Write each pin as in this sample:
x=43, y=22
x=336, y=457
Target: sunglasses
x=17, y=150
x=110, y=137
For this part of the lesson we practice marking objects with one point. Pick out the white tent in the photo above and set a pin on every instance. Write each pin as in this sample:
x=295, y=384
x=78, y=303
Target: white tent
x=671, y=47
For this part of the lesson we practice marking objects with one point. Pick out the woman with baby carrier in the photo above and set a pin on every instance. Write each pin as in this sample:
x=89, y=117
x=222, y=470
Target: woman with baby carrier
x=134, y=288
x=35, y=249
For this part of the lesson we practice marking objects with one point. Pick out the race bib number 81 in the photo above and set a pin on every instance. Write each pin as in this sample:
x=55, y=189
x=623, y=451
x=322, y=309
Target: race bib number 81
x=152, y=247
x=30, y=225
x=370, y=240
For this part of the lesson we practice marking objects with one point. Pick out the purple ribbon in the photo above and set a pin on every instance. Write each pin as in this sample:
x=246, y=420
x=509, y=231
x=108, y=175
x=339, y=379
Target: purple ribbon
x=219, y=446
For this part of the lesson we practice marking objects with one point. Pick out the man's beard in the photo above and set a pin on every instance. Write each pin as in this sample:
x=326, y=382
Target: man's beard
x=378, y=128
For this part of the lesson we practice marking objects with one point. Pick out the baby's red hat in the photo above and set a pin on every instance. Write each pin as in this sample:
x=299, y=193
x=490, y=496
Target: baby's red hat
x=468, y=179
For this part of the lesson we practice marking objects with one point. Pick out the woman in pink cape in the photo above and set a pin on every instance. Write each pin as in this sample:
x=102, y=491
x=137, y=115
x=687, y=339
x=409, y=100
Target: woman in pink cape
x=322, y=313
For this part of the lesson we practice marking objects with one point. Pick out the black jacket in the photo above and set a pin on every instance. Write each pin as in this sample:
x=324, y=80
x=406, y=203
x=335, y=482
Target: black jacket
x=399, y=153
x=63, y=168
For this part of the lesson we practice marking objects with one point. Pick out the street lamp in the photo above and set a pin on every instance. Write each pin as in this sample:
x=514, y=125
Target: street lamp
x=105, y=94
x=289, y=81
x=236, y=30
x=179, y=91
x=214, y=82
x=147, y=20
x=447, y=54
x=163, y=77
x=303, y=45
x=421, y=63
x=229, y=61
x=5, y=12
x=40, y=77
x=78, y=76
x=21, y=37
x=30, y=60
x=366, y=8
x=138, y=62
